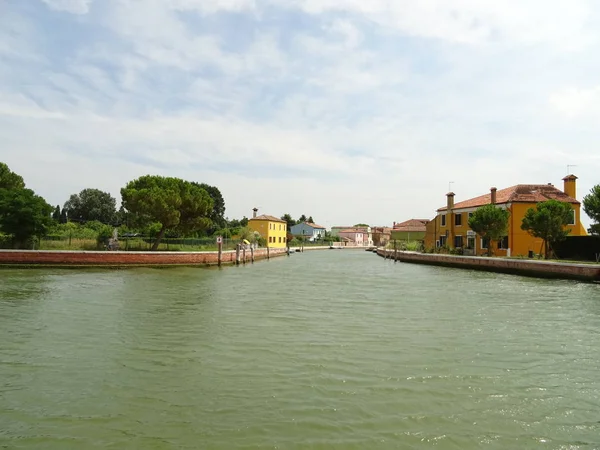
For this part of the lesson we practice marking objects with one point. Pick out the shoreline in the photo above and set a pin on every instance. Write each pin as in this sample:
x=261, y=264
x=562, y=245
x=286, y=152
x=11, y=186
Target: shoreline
x=531, y=268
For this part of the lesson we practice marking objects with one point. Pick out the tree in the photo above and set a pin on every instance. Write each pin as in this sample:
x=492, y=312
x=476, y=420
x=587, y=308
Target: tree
x=361, y=225
x=288, y=219
x=244, y=222
x=176, y=204
x=547, y=221
x=217, y=215
x=591, y=206
x=24, y=215
x=490, y=222
x=92, y=204
x=10, y=180
x=56, y=214
x=310, y=220
x=63, y=216
x=302, y=219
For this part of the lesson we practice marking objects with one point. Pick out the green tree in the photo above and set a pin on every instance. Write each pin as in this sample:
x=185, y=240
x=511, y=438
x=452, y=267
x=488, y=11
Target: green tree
x=490, y=222
x=244, y=222
x=176, y=204
x=10, y=180
x=56, y=214
x=591, y=206
x=547, y=221
x=92, y=204
x=288, y=219
x=310, y=219
x=217, y=215
x=361, y=225
x=63, y=216
x=24, y=215
x=302, y=219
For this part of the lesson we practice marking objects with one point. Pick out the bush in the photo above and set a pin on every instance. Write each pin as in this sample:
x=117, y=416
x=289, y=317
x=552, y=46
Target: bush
x=104, y=234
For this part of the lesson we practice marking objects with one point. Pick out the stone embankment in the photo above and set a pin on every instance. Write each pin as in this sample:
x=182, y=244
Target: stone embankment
x=122, y=259
x=542, y=269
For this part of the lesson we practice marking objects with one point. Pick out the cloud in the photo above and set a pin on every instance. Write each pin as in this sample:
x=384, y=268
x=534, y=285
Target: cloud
x=576, y=102
x=71, y=6
x=346, y=110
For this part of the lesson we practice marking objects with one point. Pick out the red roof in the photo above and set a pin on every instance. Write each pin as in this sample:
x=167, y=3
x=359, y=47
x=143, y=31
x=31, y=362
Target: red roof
x=314, y=225
x=412, y=225
x=521, y=193
x=269, y=218
x=352, y=230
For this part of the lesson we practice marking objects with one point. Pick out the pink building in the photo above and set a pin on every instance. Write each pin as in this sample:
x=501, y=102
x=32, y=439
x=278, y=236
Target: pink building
x=354, y=236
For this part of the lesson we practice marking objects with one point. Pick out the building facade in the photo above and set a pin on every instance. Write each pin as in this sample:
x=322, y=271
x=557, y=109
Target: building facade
x=450, y=228
x=309, y=231
x=272, y=229
x=409, y=231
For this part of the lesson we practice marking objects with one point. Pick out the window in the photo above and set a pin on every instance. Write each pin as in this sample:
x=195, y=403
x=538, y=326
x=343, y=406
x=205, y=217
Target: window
x=442, y=241
x=437, y=244
x=485, y=242
x=443, y=221
x=284, y=240
x=279, y=227
x=280, y=239
x=471, y=242
x=503, y=243
x=470, y=215
x=458, y=241
x=573, y=217
x=458, y=219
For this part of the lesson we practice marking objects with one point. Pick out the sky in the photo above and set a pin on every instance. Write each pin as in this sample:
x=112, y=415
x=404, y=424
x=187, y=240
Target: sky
x=345, y=110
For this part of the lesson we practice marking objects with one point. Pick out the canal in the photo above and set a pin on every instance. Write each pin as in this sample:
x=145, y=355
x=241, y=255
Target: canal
x=322, y=350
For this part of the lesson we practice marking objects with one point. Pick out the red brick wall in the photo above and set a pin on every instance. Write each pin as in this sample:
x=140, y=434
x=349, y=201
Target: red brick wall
x=587, y=272
x=75, y=258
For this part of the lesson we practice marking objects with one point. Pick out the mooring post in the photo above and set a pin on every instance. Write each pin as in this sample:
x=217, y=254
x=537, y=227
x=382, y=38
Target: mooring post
x=251, y=253
x=220, y=253
x=244, y=254
x=237, y=255
x=395, y=250
x=268, y=253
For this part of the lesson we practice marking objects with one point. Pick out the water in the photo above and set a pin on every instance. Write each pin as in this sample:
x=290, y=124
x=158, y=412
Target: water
x=322, y=350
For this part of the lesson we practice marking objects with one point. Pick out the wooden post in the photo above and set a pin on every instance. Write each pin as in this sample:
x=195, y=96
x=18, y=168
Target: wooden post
x=244, y=254
x=251, y=253
x=396, y=250
x=220, y=253
x=269, y=252
x=237, y=255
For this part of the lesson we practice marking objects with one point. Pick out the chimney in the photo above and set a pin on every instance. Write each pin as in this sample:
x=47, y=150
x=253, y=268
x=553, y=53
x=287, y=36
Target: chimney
x=254, y=212
x=450, y=204
x=493, y=194
x=570, y=186
x=394, y=226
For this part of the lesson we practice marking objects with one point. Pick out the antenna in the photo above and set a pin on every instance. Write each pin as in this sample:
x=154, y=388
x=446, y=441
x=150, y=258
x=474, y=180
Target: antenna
x=450, y=183
x=569, y=168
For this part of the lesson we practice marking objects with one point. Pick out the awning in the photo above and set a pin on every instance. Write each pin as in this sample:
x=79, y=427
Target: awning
x=246, y=241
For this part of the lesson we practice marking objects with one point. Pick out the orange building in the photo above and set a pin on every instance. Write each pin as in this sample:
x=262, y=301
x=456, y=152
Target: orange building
x=450, y=227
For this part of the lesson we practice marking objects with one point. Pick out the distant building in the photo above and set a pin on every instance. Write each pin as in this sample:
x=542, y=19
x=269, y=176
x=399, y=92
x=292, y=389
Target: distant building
x=310, y=231
x=271, y=228
x=381, y=236
x=410, y=231
x=450, y=228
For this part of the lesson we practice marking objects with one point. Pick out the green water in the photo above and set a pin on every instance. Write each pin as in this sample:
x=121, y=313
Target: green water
x=322, y=350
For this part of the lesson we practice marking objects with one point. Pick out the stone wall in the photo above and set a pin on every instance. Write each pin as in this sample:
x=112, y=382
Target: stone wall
x=106, y=258
x=545, y=269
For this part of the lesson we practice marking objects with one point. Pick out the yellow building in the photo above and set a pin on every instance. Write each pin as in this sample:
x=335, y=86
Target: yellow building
x=450, y=227
x=271, y=228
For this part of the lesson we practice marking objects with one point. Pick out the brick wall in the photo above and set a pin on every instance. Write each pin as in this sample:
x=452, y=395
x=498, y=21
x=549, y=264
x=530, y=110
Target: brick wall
x=547, y=269
x=76, y=258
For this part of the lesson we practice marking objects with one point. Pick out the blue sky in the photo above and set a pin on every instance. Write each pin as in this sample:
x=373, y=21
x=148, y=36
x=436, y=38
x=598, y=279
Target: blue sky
x=346, y=110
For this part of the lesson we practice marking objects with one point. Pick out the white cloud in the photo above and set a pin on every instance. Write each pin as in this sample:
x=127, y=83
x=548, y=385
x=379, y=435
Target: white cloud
x=71, y=6
x=472, y=21
x=298, y=112
x=578, y=103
